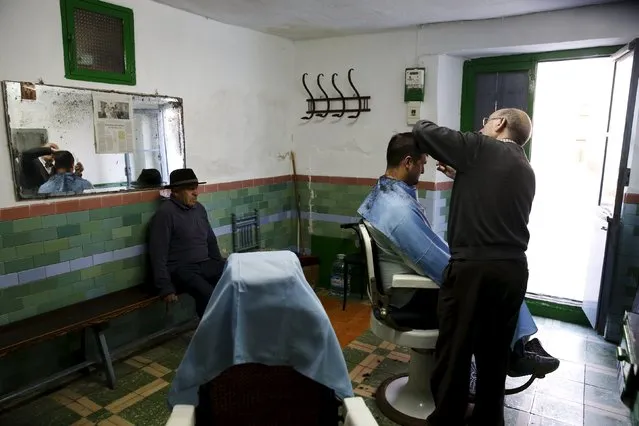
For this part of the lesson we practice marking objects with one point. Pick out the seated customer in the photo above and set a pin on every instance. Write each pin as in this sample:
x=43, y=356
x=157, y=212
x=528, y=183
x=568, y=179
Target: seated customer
x=407, y=244
x=183, y=250
x=64, y=180
x=263, y=311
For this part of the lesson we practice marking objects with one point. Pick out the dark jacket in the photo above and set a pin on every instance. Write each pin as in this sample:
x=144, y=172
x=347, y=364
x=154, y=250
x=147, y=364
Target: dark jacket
x=179, y=235
x=32, y=173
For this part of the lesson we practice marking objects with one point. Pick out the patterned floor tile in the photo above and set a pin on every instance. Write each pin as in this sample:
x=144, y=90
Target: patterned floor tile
x=582, y=392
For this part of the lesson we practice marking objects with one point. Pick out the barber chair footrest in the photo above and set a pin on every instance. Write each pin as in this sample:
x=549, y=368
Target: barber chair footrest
x=404, y=404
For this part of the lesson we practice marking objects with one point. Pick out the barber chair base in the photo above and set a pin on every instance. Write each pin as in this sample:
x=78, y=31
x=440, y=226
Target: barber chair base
x=406, y=399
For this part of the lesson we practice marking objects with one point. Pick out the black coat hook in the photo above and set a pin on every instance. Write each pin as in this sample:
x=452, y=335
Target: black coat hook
x=313, y=110
x=340, y=95
x=328, y=100
x=359, y=98
x=310, y=101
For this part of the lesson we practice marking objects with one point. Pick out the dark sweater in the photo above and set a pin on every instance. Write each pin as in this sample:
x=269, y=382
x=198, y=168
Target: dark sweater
x=492, y=193
x=179, y=235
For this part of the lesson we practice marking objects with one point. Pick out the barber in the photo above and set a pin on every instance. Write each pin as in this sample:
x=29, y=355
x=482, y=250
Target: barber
x=486, y=279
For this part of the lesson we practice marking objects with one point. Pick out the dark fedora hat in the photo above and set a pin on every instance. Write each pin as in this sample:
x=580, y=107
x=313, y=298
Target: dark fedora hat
x=182, y=177
x=148, y=178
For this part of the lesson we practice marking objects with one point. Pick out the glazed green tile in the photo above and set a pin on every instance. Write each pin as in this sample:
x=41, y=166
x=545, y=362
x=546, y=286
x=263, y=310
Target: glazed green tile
x=92, y=248
x=54, y=220
x=104, y=280
x=132, y=219
x=92, y=226
x=29, y=250
x=117, y=211
x=109, y=224
x=6, y=227
x=68, y=230
x=132, y=262
x=146, y=216
x=79, y=240
x=99, y=214
x=56, y=245
x=28, y=224
x=22, y=314
x=38, y=299
x=77, y=217
x=46, y=259
x=8, y=306
x=91, y=272
x=121, y=232
x=114, y=266
x=44, y=234
x=71, y=254
x=112, y=245
x=101, y=236
x=17, y=239
x=84, y=285
x=18, y=265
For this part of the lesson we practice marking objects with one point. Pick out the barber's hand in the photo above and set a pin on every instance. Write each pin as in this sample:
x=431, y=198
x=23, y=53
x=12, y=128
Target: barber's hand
x=171, y=298
x=79, y=168
x=54, y=146
x=447, y=170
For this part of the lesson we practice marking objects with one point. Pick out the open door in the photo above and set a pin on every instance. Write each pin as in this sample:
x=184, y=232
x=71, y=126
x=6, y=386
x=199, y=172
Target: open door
x=606, y=219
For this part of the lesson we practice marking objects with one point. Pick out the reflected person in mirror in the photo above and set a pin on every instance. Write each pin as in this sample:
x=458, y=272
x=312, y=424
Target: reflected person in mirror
x=36, y=167
x=64, y=180
x=183, y=249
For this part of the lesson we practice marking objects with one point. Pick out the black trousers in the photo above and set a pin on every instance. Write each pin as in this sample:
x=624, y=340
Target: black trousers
x=478, y=309
x=198, y=280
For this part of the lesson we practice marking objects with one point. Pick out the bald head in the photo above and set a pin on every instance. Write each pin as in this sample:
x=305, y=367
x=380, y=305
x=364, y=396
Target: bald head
x=509, y=123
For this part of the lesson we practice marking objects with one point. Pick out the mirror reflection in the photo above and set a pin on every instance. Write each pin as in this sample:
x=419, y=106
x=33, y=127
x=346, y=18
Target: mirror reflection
x=70, y=141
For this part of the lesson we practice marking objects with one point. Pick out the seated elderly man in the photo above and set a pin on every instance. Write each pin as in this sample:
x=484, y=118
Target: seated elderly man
x=183, y=249
x=407, y=244
x=263, y=311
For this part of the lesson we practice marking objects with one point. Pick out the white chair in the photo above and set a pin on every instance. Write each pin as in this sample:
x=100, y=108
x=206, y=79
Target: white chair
x=356, y=413
x=406, y=399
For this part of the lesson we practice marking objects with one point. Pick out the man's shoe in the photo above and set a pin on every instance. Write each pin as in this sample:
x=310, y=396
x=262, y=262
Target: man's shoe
x=534, y=346
x=532, y=363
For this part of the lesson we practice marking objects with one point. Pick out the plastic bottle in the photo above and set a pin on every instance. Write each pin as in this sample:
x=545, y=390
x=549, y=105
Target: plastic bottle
x=337, y=277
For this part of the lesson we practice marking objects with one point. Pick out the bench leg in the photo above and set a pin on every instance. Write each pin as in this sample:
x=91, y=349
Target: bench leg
x=105, y=355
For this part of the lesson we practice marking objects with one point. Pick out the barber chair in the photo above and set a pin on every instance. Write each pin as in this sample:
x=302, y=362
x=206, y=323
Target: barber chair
x=405, y=399
x=261, y=395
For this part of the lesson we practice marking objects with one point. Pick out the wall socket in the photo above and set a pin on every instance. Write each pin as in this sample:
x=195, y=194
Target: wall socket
x=413, y=112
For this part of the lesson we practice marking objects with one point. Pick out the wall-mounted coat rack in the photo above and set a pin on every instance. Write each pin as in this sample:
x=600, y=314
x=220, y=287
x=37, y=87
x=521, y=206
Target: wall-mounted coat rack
x=337, y=106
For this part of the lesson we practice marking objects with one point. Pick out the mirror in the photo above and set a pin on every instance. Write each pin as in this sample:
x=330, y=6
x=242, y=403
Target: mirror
x=67, y=141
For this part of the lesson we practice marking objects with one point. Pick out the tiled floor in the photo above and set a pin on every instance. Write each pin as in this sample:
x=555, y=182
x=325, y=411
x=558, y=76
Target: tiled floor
x=581, y=392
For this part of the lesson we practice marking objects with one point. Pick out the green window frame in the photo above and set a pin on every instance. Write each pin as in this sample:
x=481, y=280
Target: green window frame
x=71, y=68
x=511, y=63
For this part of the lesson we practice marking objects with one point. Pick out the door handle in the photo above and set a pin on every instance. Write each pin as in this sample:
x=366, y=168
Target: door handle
x=604, y=228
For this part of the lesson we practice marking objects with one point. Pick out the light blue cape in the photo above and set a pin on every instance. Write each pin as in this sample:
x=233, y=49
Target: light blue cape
x=262, y=311
x=392, y=208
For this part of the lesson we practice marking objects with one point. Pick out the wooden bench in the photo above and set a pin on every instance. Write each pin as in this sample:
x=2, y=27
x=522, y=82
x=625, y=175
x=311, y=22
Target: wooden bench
x=92, y=314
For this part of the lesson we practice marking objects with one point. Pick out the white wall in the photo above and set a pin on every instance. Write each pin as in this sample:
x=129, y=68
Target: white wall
x=356, y=148
x=345, y=148
x=236, y=83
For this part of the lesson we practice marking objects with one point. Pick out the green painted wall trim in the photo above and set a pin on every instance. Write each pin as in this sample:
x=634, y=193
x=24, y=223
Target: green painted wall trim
x=570, y=313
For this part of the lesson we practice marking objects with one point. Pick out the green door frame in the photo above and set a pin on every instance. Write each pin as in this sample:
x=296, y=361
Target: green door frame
x=544, y=307
x=512, y=63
